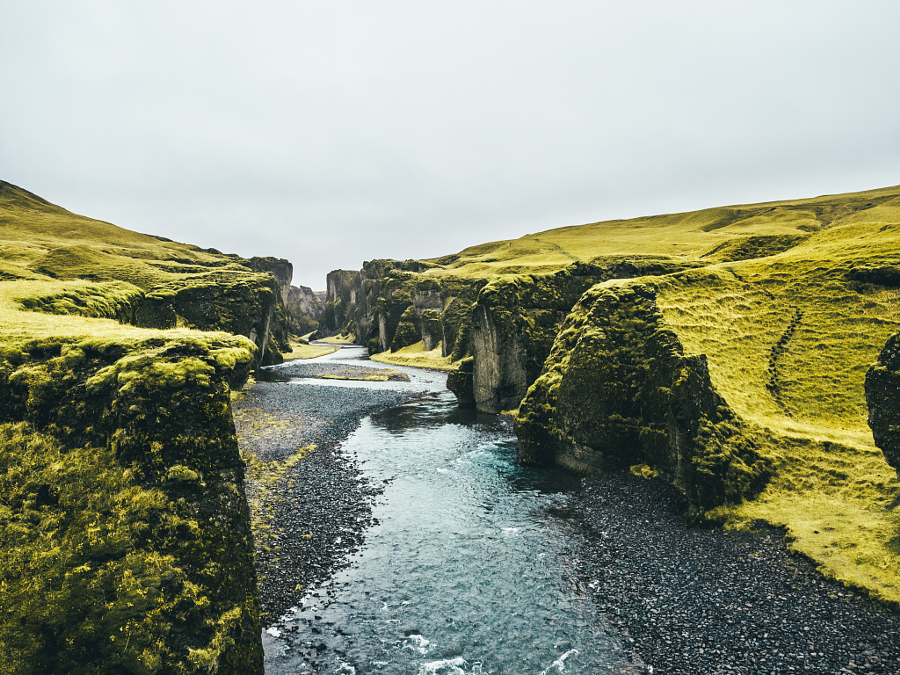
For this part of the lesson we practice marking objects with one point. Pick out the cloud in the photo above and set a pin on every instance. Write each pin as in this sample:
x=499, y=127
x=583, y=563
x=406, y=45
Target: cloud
x=332, y=133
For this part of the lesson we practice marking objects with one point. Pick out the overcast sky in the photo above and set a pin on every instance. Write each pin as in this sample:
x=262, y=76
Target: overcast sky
x=332, y=132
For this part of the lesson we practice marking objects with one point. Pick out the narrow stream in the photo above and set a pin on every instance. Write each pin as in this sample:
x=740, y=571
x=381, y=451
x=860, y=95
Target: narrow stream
x=466, y=570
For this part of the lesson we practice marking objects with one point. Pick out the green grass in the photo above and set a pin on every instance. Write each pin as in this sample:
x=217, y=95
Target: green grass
x=304, y=350
x=338, y=340
x=416, y=356
x=681, y=235
x=39, y=239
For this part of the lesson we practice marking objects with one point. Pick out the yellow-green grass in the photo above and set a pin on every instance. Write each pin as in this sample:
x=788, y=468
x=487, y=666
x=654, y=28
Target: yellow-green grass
x=416, y=356
x=19, y=326
x=40, y=239
x=300, y=350
x=681, y=235
x=338, y=340
x=832, y=490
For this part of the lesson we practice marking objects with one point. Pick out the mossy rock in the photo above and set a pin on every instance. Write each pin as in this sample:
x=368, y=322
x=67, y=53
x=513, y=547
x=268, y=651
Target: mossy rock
x=408, y=331
x=617, y=391
x=122, y=481
x=883, y=399
x=459, y=381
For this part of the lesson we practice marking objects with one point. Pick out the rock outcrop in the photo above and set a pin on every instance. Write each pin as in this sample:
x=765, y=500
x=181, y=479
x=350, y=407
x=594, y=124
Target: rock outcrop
x=125, y=530
x=883, y=399
x=516, y=318
x=242, y=304
x=304, y=307
x=617, y=390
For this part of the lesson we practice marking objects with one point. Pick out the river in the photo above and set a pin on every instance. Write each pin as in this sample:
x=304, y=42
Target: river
x=466, y=570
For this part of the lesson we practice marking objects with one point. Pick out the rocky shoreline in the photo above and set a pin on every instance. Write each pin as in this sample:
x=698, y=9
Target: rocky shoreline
x=682, y=599
x=706, y=600
x=316, y=513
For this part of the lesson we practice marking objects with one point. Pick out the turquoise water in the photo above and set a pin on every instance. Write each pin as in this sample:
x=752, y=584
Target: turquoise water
x=466, y=570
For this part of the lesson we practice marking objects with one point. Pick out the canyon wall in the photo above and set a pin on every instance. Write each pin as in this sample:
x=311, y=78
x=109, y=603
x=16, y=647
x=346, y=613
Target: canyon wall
x=304, y=308
x=516, y=318
x=618, y=391
x=883, y=399
x=126, y=533
x=389, y=304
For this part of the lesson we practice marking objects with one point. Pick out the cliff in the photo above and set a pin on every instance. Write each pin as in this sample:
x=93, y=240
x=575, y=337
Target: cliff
x=618, y=391
x=126, y=533
x=305, y=308
x=883, y=398
x=516, y=318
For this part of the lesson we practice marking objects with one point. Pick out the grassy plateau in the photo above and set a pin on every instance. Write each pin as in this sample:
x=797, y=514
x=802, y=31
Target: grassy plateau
x=790, y=311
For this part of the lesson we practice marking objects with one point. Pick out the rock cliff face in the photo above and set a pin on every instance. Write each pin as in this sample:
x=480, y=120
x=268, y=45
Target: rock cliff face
x=279, y=332
x=239, y=304
x=617, y=390
x=516, y=318
x=390, y=304
x=883, y=399
x=125, y=530
x=305, y=308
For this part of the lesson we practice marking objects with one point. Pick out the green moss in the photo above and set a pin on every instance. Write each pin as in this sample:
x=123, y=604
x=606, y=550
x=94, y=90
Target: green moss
x=408, y=331
x=126, y=541
x=111, y=300
x=617, y=391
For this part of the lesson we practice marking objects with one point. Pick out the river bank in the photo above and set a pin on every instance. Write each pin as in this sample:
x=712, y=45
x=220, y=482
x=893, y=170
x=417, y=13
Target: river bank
x=314, y=515
x=679, y=599
x=705, y=600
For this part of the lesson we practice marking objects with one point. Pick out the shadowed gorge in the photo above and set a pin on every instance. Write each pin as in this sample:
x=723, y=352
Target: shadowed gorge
x=745, y=356
x=724, y=350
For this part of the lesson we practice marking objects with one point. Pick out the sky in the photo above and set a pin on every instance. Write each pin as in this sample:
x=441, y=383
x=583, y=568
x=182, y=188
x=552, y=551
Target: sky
x=333, y=132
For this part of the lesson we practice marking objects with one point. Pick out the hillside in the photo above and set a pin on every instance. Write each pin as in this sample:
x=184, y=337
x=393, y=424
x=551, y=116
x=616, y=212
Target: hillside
x=709, y=234
x=725, y=350
x=125, y=540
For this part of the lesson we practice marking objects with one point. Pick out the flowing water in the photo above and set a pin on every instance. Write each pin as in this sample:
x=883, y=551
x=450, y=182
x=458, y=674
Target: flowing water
x=466, y=570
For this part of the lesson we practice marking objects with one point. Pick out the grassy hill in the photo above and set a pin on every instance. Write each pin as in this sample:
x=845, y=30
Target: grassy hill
x=40, y=240
x=711, y=234
x=793, y=303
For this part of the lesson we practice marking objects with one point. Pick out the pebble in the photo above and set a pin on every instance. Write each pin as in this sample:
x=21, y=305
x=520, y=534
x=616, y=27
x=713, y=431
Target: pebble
x=321, y=508
x=708, y=600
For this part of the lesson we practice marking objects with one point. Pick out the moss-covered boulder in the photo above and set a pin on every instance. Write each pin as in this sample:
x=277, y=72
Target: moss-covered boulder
x=125, y=542
x=617, y=390
x=883, y=399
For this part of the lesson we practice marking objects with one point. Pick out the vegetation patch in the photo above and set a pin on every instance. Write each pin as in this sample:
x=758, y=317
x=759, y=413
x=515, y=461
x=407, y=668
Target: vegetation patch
x=416, y=356
x=304, y=350
x=340, y=339
x=263, y=477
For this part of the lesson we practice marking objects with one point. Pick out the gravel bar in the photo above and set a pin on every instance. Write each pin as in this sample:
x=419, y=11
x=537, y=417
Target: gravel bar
x=318, y=511
x=706, y=600
x=684, y=600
